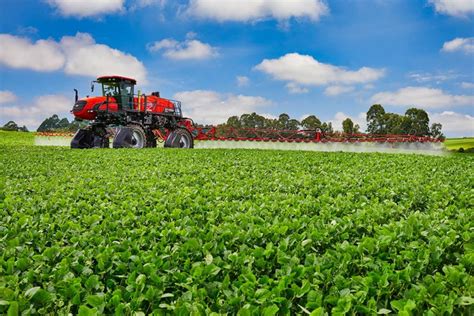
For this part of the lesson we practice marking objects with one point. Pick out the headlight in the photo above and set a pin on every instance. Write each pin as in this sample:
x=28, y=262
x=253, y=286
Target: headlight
x=79, y=106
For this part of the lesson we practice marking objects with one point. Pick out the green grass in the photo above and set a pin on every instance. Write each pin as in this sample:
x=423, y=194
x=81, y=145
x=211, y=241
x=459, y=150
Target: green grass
x=456, y=143
x=233, y=231
x=17, y=138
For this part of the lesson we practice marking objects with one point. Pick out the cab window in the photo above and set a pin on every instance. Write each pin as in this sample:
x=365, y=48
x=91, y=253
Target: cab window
x=110, y=89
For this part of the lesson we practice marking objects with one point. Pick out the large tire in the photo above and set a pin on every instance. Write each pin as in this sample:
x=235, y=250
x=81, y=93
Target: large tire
x=180, y=138
x=84, y=138
x=132, y=136
x=101, y=142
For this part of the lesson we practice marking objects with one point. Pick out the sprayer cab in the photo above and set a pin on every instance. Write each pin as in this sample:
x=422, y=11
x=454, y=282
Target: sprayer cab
x=117, y=97
x=120, y=88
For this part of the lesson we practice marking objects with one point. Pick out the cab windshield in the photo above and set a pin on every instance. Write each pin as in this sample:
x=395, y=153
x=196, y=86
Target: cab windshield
x=115, y=89
x=122, y=92
x=110, y=89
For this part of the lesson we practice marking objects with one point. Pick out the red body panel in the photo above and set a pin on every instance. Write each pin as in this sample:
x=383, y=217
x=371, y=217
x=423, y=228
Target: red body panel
x=89, y=110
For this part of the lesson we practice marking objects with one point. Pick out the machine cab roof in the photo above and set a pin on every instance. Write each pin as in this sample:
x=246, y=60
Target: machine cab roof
x=116, y=79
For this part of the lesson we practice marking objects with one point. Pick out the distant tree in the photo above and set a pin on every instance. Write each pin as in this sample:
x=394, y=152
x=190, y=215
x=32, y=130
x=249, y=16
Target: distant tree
x=393, y=123
x=348, y=126
x=252, y=120
x=23, y=129
x=356, y=128
x=62, y=124
x=417, y=122
x=55, y=124
x=233, y=121
x=271, y=123
x=327, y=128
x=311, y=122
x=12, y=126
x=435, y=130
x=283, y=120
x=49, y=124
x=375, y=119
x=293, y=124
x=259, y=120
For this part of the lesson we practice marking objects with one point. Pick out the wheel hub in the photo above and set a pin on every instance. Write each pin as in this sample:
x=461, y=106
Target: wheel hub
x=137, y=140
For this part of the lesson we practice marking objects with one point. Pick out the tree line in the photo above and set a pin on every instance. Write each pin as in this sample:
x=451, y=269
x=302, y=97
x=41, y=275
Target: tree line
x=414, y=122
x=56, y=124
x=283, y=122
x=12, y=126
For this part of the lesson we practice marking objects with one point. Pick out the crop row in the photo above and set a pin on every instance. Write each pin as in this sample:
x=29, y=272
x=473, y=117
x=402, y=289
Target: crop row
x=227, y=231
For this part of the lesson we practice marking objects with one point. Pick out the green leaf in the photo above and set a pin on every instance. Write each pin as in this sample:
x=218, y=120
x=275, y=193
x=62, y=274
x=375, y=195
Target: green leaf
x=13, y=309
x=95, y=300
x=208, y=259
x=465, y=300
x=141, y=279
x=270, y=310
x=165, y=295
x=38, y=295
x=318, y=312
x=86, y=311
x=31, y=292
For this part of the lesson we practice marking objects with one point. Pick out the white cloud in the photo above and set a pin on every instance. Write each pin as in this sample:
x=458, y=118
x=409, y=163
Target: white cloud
x=76, y=55
x=166, y=43
x=458, y=8
x=33, y=114
x=465, y=45
x=18, y=52
x=147, y=3
x=294, y=88
x=305, y=70
x=254, y=10
x=422, y=97
x=339, y=117
x=467, y=85
x=85, y=57
x=7, y=96
x=242, y=81
x=430, y=77
x=454, y=124
x=210, y=107
x=188, y=49
x=80, y=9
x=337, y=90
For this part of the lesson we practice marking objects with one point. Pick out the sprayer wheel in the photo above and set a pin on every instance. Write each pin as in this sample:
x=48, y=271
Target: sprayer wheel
x=139, y=139
x=130, y=136
x=180, y=138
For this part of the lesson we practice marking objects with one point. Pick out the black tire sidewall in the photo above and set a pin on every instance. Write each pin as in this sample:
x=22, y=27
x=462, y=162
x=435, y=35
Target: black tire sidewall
x=140, y=130
x=174, y=138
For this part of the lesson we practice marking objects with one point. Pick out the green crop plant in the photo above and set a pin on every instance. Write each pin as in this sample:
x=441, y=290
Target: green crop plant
x=252, y=232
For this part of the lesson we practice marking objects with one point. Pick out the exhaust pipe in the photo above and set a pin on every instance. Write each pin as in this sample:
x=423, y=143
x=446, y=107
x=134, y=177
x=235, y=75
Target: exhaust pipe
x=76, y=97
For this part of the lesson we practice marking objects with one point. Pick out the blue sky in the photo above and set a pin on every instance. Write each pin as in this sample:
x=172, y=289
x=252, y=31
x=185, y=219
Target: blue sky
x=330, y=58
